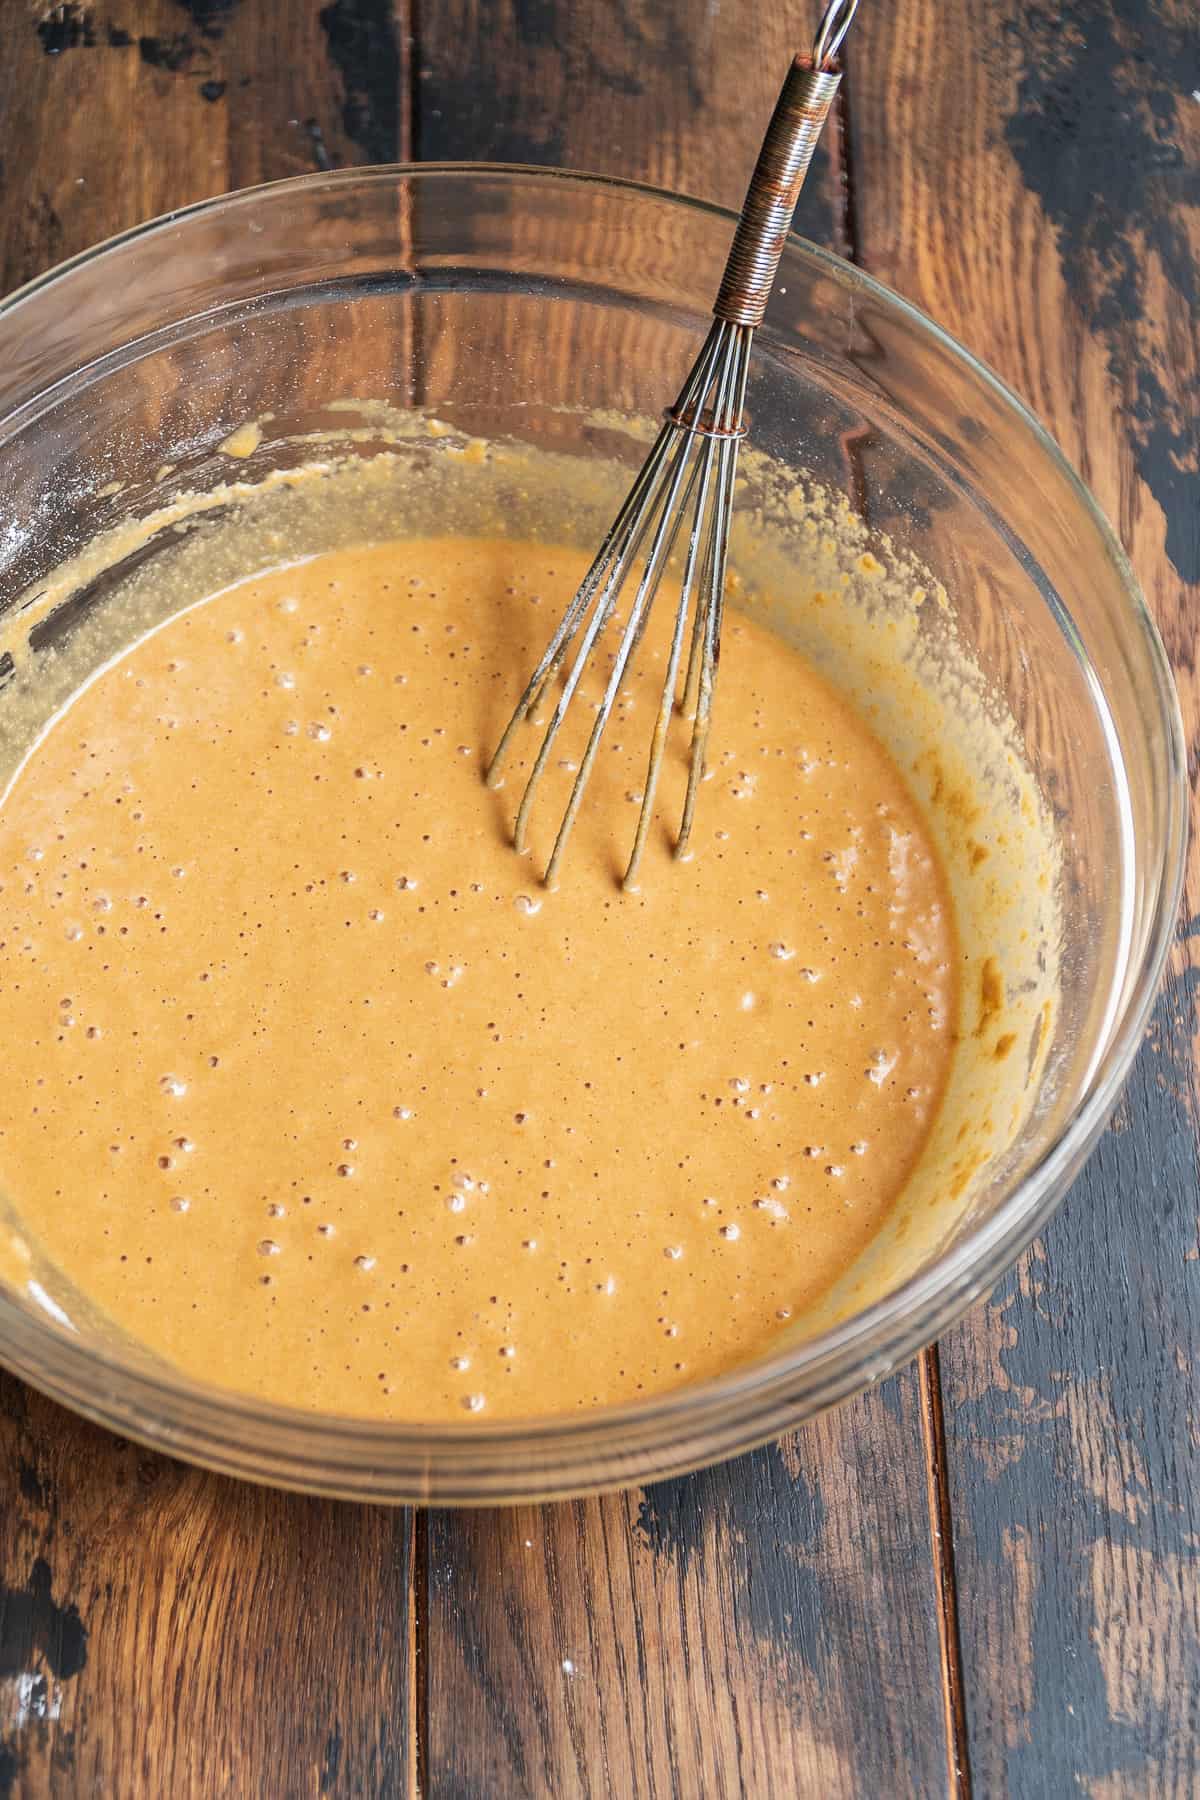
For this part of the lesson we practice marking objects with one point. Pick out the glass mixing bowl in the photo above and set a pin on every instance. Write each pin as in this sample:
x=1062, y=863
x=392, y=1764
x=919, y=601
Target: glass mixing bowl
x=554, y=309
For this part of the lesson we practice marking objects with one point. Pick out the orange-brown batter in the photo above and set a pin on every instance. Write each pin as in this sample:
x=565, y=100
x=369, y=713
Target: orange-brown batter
x=314, y=1090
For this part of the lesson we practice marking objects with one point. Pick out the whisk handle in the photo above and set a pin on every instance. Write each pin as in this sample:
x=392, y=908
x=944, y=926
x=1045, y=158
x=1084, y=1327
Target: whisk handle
x=800, y=112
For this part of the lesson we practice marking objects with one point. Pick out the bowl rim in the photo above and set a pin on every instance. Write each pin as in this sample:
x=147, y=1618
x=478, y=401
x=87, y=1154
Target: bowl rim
x=166, y=1410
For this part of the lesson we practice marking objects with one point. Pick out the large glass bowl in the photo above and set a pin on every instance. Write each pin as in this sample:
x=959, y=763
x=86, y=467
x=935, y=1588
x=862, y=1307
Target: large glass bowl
x=526, y=304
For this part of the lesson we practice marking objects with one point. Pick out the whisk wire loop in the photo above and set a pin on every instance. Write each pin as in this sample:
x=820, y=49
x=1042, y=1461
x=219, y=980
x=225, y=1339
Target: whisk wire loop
x=698, y=555
x=692, y=450
x=713, y=600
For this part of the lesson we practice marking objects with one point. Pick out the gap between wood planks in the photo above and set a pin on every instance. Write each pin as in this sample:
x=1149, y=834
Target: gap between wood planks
x=418, y=1627
x=941, y=1521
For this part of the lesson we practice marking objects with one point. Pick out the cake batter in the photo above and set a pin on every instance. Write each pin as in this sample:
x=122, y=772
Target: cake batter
x=316, y=1092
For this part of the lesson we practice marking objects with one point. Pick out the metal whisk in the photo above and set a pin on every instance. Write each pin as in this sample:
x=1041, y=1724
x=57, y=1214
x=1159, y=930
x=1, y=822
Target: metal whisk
x=688, y=477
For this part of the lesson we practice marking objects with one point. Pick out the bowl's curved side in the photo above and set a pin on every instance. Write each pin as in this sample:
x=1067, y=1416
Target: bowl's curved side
x=62, y=325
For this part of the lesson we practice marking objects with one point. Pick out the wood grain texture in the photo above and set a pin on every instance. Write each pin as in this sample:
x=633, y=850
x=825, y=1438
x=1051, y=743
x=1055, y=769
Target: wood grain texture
x=164, y=1631
x=112, y=114
x=767, y=1627
x=73, y=171
x=340, y=94
x=650, y=90
x=1030, y=174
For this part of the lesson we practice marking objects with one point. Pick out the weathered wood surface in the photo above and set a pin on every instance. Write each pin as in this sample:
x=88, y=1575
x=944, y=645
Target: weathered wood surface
x=164, y=1631
x=764, y=1628
x=792, y=1623
x=1029, y=173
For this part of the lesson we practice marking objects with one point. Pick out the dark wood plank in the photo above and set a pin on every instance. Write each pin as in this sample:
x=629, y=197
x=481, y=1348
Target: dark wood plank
x=768, y=1627
x=667, y=92
x=113, y=116
x=163, y=1631
x=771, y=1627
x=340, y=94
x=1030, y=174
x=72, y=87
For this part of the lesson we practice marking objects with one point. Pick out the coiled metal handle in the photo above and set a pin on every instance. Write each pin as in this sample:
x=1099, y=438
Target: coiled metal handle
x=800, y=113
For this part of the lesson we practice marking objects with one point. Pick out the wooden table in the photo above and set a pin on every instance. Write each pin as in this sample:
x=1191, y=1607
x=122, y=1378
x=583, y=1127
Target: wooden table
x=986, y=1573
